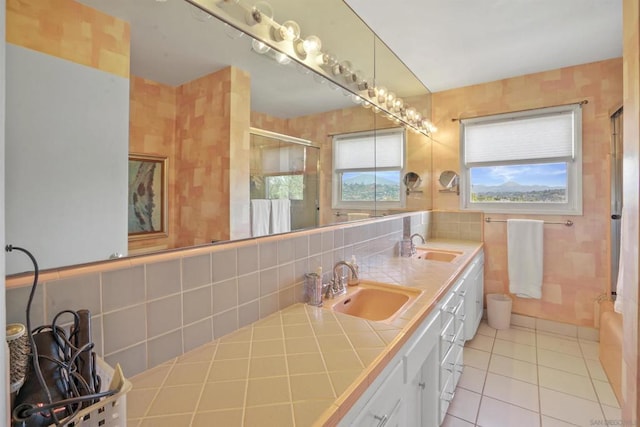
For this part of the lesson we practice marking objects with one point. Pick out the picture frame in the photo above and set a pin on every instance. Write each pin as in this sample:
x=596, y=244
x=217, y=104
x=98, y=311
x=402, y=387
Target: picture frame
x=147, y=197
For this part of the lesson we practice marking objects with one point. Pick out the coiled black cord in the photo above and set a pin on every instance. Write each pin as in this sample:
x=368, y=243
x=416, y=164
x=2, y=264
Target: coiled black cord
x=34, y=348
x=77, y=390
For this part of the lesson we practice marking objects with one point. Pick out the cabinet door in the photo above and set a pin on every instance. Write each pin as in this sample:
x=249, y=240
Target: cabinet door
x=423, y=393
x=474, y=294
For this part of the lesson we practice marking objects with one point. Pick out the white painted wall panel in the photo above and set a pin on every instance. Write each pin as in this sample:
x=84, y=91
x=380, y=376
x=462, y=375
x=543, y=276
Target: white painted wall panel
x=67, y=138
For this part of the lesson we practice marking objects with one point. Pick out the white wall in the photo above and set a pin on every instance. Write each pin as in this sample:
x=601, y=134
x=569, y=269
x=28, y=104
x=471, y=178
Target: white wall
x=67, y=139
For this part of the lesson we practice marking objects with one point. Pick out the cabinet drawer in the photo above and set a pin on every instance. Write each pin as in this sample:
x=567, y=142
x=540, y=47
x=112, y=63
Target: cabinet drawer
x=447, y=337
x=446, y=396
x=458, y=368
x=384, y=402
x=419, y=349
x=460, y=313
x=448, y=364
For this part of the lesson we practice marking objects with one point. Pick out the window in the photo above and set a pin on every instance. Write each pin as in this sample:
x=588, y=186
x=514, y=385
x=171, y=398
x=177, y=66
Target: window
x=285, y=187
x=283, y=167
x=526, y=162
x=367, y=170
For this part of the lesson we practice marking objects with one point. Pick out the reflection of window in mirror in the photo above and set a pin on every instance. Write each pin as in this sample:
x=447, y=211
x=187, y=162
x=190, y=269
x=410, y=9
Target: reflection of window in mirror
x=285, y=187
x=367, y=170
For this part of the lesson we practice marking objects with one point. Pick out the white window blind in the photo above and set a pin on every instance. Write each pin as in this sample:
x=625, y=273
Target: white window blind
x=369, y=150
x=278, y=160
x=511, y=138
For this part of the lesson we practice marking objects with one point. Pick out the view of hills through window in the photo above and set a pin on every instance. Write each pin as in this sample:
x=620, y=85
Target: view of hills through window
x=530, y=183
x=371, y=186
x=285, y=187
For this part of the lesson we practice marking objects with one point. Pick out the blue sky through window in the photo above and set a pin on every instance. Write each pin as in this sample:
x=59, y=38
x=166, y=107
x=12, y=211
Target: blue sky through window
x=546, y=174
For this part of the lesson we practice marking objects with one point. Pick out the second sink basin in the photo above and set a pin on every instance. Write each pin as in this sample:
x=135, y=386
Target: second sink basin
x=436, y=255
x=375, y=301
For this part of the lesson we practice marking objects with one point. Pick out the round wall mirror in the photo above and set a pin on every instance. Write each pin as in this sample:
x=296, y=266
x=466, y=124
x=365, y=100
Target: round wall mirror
x=412, y=180
x=448, y=179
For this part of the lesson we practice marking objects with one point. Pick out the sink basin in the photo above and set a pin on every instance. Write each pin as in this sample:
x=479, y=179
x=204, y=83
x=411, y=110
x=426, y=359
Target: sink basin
x=375, y=301
x=436, y=255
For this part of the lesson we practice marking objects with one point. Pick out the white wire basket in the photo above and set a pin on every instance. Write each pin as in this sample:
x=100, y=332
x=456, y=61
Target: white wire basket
x=110, y=411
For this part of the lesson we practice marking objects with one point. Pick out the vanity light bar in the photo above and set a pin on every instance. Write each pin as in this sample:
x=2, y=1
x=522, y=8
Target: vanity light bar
x=286, y=42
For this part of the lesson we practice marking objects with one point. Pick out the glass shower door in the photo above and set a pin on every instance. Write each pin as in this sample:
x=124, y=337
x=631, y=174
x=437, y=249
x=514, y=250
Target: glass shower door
x=284, y=167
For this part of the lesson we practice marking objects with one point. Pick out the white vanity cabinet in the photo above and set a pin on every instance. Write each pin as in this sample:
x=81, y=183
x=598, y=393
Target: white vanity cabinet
x=418, y=385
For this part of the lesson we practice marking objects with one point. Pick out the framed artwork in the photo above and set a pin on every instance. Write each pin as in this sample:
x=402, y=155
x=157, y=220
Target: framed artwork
x=147, y=199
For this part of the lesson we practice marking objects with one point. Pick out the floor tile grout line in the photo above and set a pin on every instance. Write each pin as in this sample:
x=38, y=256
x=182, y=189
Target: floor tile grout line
x=246, y=383
x=538, y=379
x=155, y=396
x=204, y=385
x=595, y=390
x=286, y=365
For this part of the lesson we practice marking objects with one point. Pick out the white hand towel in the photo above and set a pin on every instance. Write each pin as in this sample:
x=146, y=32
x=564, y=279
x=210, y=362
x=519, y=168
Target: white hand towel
x=260, y=217
x=524, y=244
x=280, y=215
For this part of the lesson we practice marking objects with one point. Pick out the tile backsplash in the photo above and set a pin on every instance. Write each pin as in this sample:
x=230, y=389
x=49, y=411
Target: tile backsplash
x=150, y=310
x=456, y=225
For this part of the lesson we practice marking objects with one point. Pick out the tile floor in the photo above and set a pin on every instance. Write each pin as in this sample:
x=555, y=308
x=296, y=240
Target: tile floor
x=523, y=377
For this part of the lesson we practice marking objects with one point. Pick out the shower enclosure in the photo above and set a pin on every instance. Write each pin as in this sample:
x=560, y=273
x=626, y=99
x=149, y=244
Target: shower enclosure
x=616, y=193
x=285, y=167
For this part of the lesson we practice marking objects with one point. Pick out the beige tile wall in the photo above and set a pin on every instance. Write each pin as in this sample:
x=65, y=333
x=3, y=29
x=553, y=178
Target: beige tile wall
x=146, y=313
x=576, y=259
x=456, y=225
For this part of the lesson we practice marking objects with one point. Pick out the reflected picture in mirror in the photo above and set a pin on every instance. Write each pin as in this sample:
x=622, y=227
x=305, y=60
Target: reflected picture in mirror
x=146, y=197
x=172, y=83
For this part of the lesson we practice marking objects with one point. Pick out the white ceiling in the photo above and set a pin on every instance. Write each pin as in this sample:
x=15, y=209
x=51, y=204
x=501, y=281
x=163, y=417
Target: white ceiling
x=456, y=43
x=446, y=43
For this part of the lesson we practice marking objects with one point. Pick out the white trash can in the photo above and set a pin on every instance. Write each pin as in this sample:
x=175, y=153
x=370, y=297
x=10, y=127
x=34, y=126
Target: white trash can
x=499, y=310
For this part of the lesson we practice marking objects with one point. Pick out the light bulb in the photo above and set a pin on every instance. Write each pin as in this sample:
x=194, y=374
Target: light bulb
x=312, y=45
x=356, y=98
x=326, y=59
x=364, y=84
x=391, y=98
x=382, y=93
x=418, y=118
x=258, y=13
x=289, y=30
x=411, y=113
x=371, y=91
x=345, y=68
x=398, y=104
x=259, y=46
x=282, y=58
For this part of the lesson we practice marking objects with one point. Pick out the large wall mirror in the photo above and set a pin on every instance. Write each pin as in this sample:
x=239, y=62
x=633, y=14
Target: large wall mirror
x=183, y=86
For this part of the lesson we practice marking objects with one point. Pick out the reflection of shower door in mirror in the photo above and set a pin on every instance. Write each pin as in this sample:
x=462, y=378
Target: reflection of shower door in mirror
x=284, y=167
x=616, y=193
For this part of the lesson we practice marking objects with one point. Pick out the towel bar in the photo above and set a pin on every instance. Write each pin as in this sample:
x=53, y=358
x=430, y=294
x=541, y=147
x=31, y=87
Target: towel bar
x=568, y=222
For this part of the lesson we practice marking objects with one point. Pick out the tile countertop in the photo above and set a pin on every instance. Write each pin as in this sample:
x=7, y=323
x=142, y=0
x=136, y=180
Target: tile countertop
x=301, y=366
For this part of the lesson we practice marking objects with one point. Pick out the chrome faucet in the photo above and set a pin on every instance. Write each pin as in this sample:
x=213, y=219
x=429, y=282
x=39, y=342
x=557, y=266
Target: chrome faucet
x=413, y=246
x=337, y=287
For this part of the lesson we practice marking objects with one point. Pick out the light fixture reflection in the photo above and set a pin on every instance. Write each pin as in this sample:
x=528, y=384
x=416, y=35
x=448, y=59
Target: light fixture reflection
x=282, y=58
x=308, y=52
x=259, y=47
